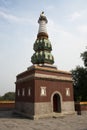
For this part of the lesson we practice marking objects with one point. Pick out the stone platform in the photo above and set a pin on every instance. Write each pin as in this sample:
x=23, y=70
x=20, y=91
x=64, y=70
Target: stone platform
x=70, y=122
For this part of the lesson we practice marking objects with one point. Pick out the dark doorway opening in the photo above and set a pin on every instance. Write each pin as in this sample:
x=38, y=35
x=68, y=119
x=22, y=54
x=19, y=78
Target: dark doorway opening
x=56, y=103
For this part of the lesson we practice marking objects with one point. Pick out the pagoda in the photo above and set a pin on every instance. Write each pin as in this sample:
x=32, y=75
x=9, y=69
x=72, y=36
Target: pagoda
x=43, y=90
x=42, y=45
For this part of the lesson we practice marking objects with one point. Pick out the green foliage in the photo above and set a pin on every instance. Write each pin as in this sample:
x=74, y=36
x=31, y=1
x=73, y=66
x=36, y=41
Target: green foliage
x=84, y=58
x=8, y=96
x=80, y=83
x=1, y=98
x=80, y=80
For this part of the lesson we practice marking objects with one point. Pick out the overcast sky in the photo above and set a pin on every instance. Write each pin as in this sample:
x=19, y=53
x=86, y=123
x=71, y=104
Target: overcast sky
x=67, y=29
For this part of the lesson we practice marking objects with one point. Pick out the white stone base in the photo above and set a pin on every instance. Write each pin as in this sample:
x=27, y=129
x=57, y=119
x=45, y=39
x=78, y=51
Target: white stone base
x=43, y=109
x=68, y=107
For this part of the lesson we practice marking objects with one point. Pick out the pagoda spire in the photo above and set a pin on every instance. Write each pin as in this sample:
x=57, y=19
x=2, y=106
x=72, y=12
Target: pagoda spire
x=42, y=45
x=42, y=26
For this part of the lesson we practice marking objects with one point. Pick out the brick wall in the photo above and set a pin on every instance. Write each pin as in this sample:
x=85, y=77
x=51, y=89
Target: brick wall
x=52, y=86
x=7, y=105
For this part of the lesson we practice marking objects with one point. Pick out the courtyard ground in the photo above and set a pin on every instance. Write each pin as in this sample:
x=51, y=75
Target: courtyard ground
x=70, y=122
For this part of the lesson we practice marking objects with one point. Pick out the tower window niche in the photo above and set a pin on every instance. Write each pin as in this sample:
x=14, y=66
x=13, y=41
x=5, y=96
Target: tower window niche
x=43, y=91
x=29, y=91
x=23, y=92
x=67, y=91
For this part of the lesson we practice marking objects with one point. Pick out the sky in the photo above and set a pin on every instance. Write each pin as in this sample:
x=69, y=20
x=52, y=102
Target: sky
x=66, y=27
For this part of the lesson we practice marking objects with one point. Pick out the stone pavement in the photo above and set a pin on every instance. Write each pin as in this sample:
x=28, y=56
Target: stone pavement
x=70, y=122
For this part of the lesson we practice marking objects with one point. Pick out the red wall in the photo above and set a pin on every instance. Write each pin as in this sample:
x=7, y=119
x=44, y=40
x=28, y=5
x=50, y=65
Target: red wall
x=52, y=86
x=35, y=84
x=26, y=84
x=7, y=105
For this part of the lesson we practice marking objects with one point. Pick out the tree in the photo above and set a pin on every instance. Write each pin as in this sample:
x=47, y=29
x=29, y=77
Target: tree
x=80, y=80
x=84, y=58
x=8, y=96
x=80, y=83
x=1, y=98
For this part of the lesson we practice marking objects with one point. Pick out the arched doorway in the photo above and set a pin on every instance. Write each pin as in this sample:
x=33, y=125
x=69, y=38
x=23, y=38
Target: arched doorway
x=56, y=103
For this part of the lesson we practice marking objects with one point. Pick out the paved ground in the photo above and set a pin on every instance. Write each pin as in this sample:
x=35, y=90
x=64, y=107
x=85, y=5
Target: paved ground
x=70, y=122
